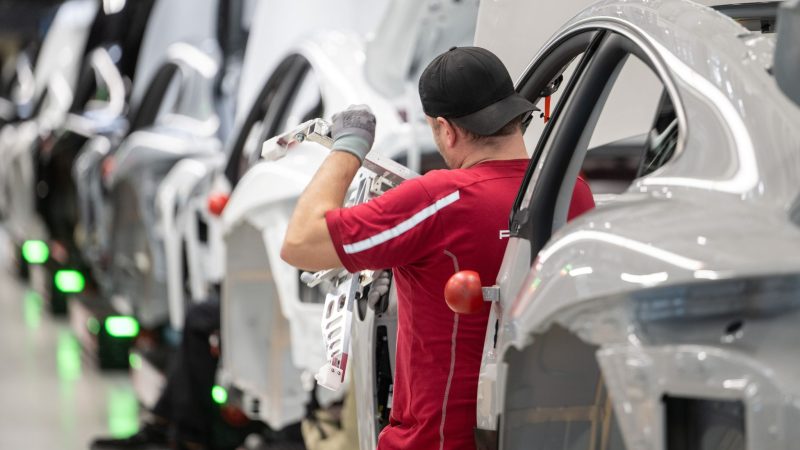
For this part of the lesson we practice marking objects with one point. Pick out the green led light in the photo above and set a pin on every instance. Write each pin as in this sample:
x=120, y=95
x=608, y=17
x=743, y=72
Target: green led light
x=92, y=325
x=69, y=281
x=35, y=252
x=219, y=394
x=122, y=326
x=135, y=361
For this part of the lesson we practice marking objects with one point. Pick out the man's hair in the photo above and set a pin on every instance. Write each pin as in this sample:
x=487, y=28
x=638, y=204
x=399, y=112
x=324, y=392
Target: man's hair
x=508, y=129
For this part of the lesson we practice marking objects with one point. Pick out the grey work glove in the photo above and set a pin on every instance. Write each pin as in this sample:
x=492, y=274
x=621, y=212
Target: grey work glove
x=379, y=288
x=353, y=131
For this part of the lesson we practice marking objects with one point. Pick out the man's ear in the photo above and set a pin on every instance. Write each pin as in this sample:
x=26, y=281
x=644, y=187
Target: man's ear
x=450, y=132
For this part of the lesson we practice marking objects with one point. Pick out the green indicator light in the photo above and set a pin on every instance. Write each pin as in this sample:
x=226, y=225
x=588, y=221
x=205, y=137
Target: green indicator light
x=219, y=394
x=122, y=326
x=69, y=281
x=135, y=361
x=35, y=252
x=92, y=325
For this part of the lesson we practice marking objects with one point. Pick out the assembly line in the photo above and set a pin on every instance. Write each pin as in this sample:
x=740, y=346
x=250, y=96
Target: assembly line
x=408, y=223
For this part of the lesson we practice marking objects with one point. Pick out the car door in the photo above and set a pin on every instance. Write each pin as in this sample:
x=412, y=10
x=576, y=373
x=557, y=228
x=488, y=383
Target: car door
x=552, y=388
x=270, y=320
x=552, y=391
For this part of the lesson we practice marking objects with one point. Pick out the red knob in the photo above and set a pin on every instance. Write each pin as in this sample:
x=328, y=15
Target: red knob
x=463, y=292
x=216, y=203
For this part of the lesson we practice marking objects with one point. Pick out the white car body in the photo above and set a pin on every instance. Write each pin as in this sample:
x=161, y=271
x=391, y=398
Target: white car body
x=182, y=198
x=649, y=292
x=55, y=75
x=179, y=34
x=188, y=127
x=272, y=337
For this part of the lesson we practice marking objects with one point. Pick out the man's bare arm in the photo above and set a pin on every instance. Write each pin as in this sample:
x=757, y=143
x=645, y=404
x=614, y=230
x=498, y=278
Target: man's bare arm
x=308, y=243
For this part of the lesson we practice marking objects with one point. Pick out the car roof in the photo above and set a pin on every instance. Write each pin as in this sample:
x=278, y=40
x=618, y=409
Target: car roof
x=739, y=130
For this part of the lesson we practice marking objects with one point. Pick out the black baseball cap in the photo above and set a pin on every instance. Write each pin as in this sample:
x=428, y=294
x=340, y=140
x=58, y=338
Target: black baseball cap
x=471, y=87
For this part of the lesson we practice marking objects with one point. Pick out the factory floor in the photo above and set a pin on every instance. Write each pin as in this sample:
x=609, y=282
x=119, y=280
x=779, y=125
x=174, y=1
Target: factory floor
x=51, y=398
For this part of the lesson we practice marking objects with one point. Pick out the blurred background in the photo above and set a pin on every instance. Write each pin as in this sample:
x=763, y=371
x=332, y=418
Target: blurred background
x=125, y=127
x=143, y=201
x=68, y=72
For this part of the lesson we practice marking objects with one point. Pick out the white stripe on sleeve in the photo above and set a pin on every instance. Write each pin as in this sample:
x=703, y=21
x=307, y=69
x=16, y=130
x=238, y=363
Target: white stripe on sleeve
x=402, y=227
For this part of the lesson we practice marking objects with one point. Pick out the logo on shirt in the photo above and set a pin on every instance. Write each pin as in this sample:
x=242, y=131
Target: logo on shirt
x=505, y=234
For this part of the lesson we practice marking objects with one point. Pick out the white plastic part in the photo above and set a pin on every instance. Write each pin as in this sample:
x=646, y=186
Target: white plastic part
x=375, y=177
x=337, y=319
x=330, y=377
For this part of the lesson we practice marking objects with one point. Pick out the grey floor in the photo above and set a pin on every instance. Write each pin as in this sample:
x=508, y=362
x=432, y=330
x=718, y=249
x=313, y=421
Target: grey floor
x=50, y=397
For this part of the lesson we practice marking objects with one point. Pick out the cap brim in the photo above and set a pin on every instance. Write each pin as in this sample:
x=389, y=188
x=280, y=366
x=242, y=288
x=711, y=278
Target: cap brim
x=491, y=119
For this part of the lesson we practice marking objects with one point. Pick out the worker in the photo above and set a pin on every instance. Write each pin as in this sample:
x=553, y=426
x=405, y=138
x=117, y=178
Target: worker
x=424, y=229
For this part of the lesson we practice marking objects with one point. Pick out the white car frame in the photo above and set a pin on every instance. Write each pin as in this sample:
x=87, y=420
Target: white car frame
x=669, y=300
x=174, y=115
x=55, y=75
x=270, y=346
x=194, y=265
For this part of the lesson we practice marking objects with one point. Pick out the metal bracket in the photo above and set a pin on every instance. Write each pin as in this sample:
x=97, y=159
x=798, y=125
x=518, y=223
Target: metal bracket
x=491, y=293
x=380, y=185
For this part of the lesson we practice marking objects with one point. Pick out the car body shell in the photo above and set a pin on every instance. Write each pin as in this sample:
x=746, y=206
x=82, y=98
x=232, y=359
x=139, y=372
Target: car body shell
x=134, y=160
x=54, y=77
x=722, y=212
x=282, y=341
x=142, y=160
x=283, y=337
x=182, y=198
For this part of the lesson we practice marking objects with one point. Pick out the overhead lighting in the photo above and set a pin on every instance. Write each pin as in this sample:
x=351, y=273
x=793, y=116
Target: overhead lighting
x=121, y=326
x=35, y=252
x=219, y=394
x=69, y=281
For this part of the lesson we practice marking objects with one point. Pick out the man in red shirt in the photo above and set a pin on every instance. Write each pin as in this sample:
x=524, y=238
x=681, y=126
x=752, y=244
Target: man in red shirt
x=425, y=230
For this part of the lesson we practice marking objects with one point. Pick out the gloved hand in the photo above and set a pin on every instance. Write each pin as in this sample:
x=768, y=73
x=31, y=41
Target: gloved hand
x=379, y=288
x=353, y=131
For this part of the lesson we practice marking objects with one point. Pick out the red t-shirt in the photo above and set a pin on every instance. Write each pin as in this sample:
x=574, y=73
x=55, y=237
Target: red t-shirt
x=420, y=229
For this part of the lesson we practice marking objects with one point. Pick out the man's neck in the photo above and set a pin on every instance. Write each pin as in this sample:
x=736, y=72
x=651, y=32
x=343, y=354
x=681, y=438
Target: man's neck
x=512, y=147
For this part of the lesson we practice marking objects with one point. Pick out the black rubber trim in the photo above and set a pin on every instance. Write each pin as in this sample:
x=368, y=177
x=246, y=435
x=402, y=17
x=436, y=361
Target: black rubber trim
x=757, y=10
x=538, y=77
x=566, y=134
x=147, y=110
x=262, y=105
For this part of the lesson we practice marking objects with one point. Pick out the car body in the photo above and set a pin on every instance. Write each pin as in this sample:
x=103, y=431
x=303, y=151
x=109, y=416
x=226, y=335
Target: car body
x=628, y=326
x=187, y=127
x=174, y=113
x=271, y=320
x=17, y=106
x=54, y=78
x=99, y=107
x=194, y=249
